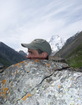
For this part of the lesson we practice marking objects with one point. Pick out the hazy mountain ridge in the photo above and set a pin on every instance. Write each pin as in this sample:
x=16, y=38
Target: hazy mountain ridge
x=71, y=39
x=72, y=50
x=9, y=56
x=22, y=53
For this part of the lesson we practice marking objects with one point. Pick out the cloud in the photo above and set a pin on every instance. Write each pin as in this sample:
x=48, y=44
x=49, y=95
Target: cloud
x=23, y=21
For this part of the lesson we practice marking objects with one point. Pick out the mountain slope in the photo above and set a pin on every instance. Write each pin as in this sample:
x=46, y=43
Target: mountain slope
x=72, y=50
x=75, y=58
x=9, y=56
x=22, y=53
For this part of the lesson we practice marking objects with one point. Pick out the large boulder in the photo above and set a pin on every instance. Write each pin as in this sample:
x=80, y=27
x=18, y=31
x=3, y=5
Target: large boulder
x=40, y=82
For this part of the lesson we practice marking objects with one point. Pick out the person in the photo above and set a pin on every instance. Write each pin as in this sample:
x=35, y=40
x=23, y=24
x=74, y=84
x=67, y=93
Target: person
x=38, y=49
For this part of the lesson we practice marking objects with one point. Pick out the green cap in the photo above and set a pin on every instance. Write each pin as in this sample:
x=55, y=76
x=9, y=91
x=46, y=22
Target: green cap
x=39, y=44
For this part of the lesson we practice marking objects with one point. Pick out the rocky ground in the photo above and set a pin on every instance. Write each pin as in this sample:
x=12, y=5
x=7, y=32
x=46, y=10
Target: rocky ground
x=40, y=82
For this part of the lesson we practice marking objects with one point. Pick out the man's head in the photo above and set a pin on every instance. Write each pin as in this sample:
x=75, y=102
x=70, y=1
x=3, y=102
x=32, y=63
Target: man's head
x=38, y=48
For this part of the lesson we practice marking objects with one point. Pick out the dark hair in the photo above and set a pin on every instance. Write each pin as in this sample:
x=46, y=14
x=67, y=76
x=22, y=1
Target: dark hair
x=40, y=52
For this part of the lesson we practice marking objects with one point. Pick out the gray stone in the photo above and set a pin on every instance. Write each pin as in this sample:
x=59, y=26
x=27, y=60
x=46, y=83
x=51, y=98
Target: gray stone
x=40, y=82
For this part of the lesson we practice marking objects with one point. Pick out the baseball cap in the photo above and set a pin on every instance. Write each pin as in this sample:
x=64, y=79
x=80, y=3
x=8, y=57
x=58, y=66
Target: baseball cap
x=39, y=44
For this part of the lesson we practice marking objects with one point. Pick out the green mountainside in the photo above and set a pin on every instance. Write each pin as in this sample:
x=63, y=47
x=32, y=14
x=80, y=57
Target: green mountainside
x=4, y=61
x=74, y=59
x=9, y=56
x=72, y=51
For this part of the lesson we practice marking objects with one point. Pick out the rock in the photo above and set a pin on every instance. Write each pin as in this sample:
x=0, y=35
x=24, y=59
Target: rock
x=40, y=82
x=57, y=59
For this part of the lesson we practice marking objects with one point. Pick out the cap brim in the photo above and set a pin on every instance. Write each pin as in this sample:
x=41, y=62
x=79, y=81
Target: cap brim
x=24, y=45
x=28, y=46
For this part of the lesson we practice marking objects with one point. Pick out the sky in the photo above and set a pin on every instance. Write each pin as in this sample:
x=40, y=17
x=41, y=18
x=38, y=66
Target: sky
x=22, y=21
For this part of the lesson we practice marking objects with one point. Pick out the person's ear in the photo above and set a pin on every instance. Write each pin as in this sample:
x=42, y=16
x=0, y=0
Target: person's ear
x=44, y=54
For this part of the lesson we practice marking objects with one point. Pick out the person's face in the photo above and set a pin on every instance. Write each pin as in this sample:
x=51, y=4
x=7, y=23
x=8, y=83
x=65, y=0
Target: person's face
x=33, y=54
